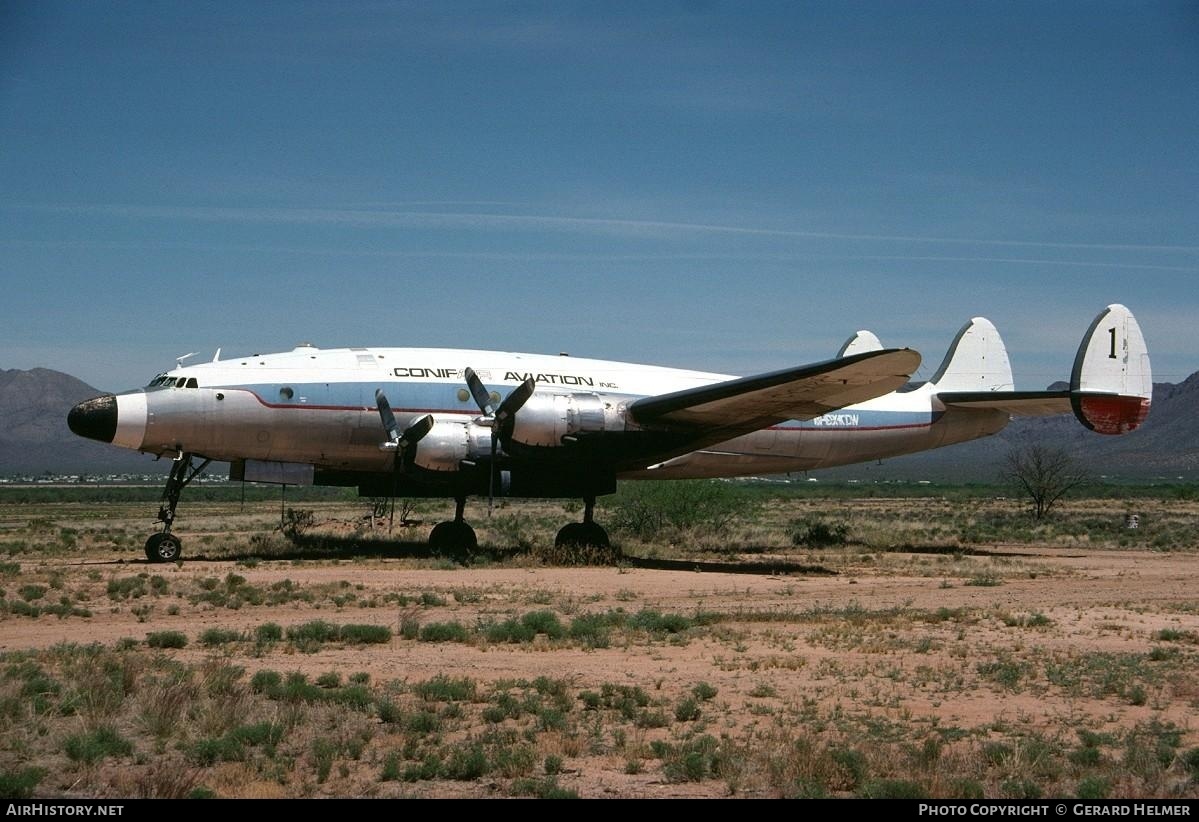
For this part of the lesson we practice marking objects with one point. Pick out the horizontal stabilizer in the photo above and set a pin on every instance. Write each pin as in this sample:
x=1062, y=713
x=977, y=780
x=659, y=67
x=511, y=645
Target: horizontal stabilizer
x=1016, y=403
x=750, y=403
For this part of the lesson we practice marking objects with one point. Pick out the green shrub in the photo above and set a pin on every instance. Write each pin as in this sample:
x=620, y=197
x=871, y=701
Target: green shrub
x=268, y=632
x=20, y=784
x=814, y=532
x=467, y=763
x=649, y=510
x=316, y=631
x=217, y=636
x=1094, y=787
x=444, y=632
x=365, y=634
x=442, y=688
x=510, y=630
x=547, y=788
x=93, y=746
x=1190, y=761
x=892, y=789
x=544, y=622
x=166, y=639
x=266, y=682
x=687, y=710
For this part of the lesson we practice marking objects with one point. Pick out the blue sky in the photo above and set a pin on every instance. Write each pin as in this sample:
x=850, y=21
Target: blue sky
x=727, y=186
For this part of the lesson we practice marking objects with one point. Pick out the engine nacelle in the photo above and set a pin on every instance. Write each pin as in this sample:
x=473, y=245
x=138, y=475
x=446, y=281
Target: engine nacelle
x=546, y=418
x=449, y=442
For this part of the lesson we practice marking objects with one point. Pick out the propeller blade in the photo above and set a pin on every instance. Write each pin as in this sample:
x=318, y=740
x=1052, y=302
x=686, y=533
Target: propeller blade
x=416, y=432
x=495, y=437
x=500, y=419
x=515, y=400
x=389, y=419
x=479, y=392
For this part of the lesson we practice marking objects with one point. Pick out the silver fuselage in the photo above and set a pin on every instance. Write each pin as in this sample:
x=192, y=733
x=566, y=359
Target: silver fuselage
x=317, y=407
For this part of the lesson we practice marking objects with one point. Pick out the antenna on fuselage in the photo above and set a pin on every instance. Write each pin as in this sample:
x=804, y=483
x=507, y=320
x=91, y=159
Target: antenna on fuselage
x=179, y=360
x=217, y=356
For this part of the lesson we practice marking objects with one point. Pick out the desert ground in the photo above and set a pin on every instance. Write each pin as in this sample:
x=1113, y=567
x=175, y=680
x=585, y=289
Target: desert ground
x=905, y=647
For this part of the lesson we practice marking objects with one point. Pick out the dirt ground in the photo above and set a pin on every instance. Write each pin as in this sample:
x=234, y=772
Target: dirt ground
x=1016, y=642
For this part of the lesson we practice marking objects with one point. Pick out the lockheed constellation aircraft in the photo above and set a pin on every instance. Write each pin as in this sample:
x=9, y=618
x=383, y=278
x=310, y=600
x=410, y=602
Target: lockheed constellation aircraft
x=455, y=423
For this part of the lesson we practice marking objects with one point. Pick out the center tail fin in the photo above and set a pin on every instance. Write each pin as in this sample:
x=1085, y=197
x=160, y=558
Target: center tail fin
x=977, y=361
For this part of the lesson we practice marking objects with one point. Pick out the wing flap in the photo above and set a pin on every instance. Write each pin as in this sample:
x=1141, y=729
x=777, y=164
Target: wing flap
x=750, y=403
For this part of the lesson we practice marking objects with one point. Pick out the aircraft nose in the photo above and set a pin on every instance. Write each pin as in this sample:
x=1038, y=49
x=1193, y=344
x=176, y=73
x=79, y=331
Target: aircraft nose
x=95, y=419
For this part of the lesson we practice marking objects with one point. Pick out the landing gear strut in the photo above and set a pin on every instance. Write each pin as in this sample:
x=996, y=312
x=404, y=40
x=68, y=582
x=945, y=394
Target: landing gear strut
x=588, y=532
x=454, y=536
x=165, y=546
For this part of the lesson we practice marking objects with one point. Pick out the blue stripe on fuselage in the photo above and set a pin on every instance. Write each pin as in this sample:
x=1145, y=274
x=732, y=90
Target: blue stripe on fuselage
x=443, y=397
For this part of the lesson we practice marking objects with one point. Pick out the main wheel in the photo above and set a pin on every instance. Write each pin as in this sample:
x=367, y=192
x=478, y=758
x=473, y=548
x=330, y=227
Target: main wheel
x=578, y=534
x=163, y=548
x=453, y=538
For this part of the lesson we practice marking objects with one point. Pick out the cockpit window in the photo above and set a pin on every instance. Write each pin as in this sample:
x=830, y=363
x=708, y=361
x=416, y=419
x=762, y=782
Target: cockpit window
x=170, y=382
x=158, y=380
x=191, y=383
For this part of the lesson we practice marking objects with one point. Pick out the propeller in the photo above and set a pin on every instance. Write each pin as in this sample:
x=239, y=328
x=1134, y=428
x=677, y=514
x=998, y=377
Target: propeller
x=502, y=418
x=400, y=441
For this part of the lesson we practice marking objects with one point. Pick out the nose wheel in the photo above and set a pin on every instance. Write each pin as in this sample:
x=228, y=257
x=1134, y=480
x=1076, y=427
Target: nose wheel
x=165, y=546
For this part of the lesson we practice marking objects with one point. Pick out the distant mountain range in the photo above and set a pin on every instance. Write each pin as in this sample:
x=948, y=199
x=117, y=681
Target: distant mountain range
x=34, y=439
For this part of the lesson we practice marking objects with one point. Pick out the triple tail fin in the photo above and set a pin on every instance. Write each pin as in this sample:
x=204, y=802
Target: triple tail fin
x=1111, y=386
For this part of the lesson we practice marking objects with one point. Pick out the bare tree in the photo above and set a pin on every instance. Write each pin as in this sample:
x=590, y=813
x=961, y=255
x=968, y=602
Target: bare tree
x=1045, y=473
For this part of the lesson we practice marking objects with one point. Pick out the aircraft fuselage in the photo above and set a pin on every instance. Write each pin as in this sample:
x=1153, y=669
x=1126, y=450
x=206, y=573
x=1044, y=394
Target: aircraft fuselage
x=317, y=407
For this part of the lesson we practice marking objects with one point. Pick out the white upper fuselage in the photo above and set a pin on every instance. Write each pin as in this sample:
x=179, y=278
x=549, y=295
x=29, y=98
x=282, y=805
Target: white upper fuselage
x=316, y=406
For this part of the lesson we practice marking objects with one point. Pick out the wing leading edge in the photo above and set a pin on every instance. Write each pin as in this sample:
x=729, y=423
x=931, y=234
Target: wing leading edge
x=748, y=404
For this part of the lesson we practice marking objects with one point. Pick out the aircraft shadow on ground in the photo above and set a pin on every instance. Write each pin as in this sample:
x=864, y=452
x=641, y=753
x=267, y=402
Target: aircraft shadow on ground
x=333, y=547
x=760, y=568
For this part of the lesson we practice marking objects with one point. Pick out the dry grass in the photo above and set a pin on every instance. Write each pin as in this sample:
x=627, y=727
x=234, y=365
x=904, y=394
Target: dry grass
x=1048, y=664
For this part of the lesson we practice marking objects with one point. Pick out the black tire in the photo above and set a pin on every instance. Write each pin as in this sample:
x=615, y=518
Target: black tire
x=454, y=539
x=163, y=548
x=582, y=534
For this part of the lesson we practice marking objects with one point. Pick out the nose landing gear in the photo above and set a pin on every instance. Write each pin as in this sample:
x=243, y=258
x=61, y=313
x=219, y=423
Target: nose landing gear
x=165, y=546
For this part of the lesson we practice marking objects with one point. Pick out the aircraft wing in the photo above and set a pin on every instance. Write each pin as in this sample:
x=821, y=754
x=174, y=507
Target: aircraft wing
x=746, y=404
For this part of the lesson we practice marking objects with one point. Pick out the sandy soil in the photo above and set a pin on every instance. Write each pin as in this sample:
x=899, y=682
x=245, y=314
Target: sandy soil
x=871, y=639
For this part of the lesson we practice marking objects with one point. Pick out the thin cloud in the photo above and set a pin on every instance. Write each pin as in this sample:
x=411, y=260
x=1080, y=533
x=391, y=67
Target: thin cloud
x=482, y=220
x=520, y=256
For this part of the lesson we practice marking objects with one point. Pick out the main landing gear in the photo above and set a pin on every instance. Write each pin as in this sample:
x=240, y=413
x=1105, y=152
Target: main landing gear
x=585, y=533
x=454, y=536
x=165, y=546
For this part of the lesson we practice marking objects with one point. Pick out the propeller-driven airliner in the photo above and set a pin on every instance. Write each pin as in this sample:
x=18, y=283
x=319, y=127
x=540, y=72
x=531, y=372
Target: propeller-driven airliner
x=425, y=422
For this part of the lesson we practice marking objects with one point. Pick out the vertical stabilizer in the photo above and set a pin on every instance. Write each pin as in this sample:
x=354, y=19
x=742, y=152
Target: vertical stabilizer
x=860, y=343
x=977, y=361
x=1111, y=386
